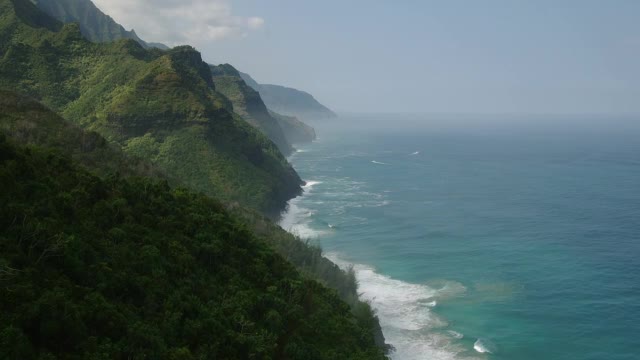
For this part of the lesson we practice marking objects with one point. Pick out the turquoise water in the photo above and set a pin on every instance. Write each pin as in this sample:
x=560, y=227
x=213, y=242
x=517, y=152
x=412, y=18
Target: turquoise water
x=483, y=238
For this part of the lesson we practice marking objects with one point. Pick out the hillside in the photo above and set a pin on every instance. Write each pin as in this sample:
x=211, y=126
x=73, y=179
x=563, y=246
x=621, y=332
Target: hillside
x=99, y=27
x=28, y=123
x=94, y=24
x=247, y=103
x=289, y=101
x=157, y=105
x=88, y=271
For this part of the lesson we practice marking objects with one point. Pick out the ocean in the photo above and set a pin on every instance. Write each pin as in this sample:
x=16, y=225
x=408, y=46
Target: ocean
x=483, y=237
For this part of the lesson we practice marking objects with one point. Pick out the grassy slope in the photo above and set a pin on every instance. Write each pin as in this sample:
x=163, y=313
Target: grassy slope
x=157, y=105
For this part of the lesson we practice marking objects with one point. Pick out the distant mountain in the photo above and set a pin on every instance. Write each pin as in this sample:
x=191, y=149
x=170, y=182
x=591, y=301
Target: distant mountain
x=294, y=130
x=247, y=102
x=95, y=25
x=289, y=101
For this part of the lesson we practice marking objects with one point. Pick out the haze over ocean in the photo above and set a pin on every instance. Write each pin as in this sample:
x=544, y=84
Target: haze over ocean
x=483, y=237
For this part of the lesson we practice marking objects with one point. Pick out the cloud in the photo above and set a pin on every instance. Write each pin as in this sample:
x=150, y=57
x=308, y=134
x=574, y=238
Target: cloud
x=180, y=21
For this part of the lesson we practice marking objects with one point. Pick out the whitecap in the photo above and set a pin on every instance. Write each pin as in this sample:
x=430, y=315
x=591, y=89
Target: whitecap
x=378, y=162
x=415, y=153
x=310, y=184
x=484, y=346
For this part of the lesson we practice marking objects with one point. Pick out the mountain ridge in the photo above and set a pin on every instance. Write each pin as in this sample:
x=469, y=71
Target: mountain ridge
x=159, y=105
x=95, y=25
x=289, y=101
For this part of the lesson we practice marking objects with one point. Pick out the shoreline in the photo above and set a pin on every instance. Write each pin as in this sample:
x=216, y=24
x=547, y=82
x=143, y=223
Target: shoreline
x=405, y=311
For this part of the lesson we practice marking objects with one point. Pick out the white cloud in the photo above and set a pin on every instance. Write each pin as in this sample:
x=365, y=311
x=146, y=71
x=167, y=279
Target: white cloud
x=180, y=21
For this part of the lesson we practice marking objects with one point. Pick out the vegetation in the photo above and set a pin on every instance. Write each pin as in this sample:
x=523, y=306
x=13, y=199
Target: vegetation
x=127, y=268
x=26, y=122
x=247, y=103
x=289, y=101
x=157, y=105
x=163, y=108
x=94, y=24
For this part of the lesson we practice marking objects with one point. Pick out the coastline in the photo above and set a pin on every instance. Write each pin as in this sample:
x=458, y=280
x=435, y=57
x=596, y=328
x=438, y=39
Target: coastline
x=405, y=311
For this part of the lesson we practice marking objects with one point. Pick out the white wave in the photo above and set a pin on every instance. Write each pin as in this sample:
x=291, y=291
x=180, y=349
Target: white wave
x=378, y=162
x=310, y=184
x=432, y=304
x=484, y=346
x=297, y=219
x=415, y=153
x=406, y=313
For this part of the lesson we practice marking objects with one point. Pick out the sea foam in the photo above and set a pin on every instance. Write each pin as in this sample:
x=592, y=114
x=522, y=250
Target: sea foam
x=297, y=219
x=406, y=313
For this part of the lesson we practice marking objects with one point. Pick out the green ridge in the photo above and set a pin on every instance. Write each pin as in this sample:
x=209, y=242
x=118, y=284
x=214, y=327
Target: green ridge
x=157, y=105
x=248, y=104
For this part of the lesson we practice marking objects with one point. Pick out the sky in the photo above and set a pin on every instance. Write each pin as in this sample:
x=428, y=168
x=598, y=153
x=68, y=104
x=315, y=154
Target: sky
x=446, y=56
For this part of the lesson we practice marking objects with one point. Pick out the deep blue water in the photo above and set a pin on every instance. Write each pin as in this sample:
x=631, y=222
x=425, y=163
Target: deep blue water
x=523, y=233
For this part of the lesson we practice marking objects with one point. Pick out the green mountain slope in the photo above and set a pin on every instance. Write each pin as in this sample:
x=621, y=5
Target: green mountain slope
x=157, y=105
x=27, y=122
x=289, y=101
x=94, y=24
x=248, y=104
x=87, y=271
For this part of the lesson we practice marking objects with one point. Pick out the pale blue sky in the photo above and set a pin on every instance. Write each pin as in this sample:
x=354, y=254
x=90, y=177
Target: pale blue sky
x=576, y=56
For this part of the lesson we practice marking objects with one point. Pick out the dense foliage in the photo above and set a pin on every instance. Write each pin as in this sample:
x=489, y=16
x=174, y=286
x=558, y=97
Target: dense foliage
x=28, y=122
x=116, y=268
x=157, y=105
x=160, y=107
x=289, y=101
x=94, y=24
